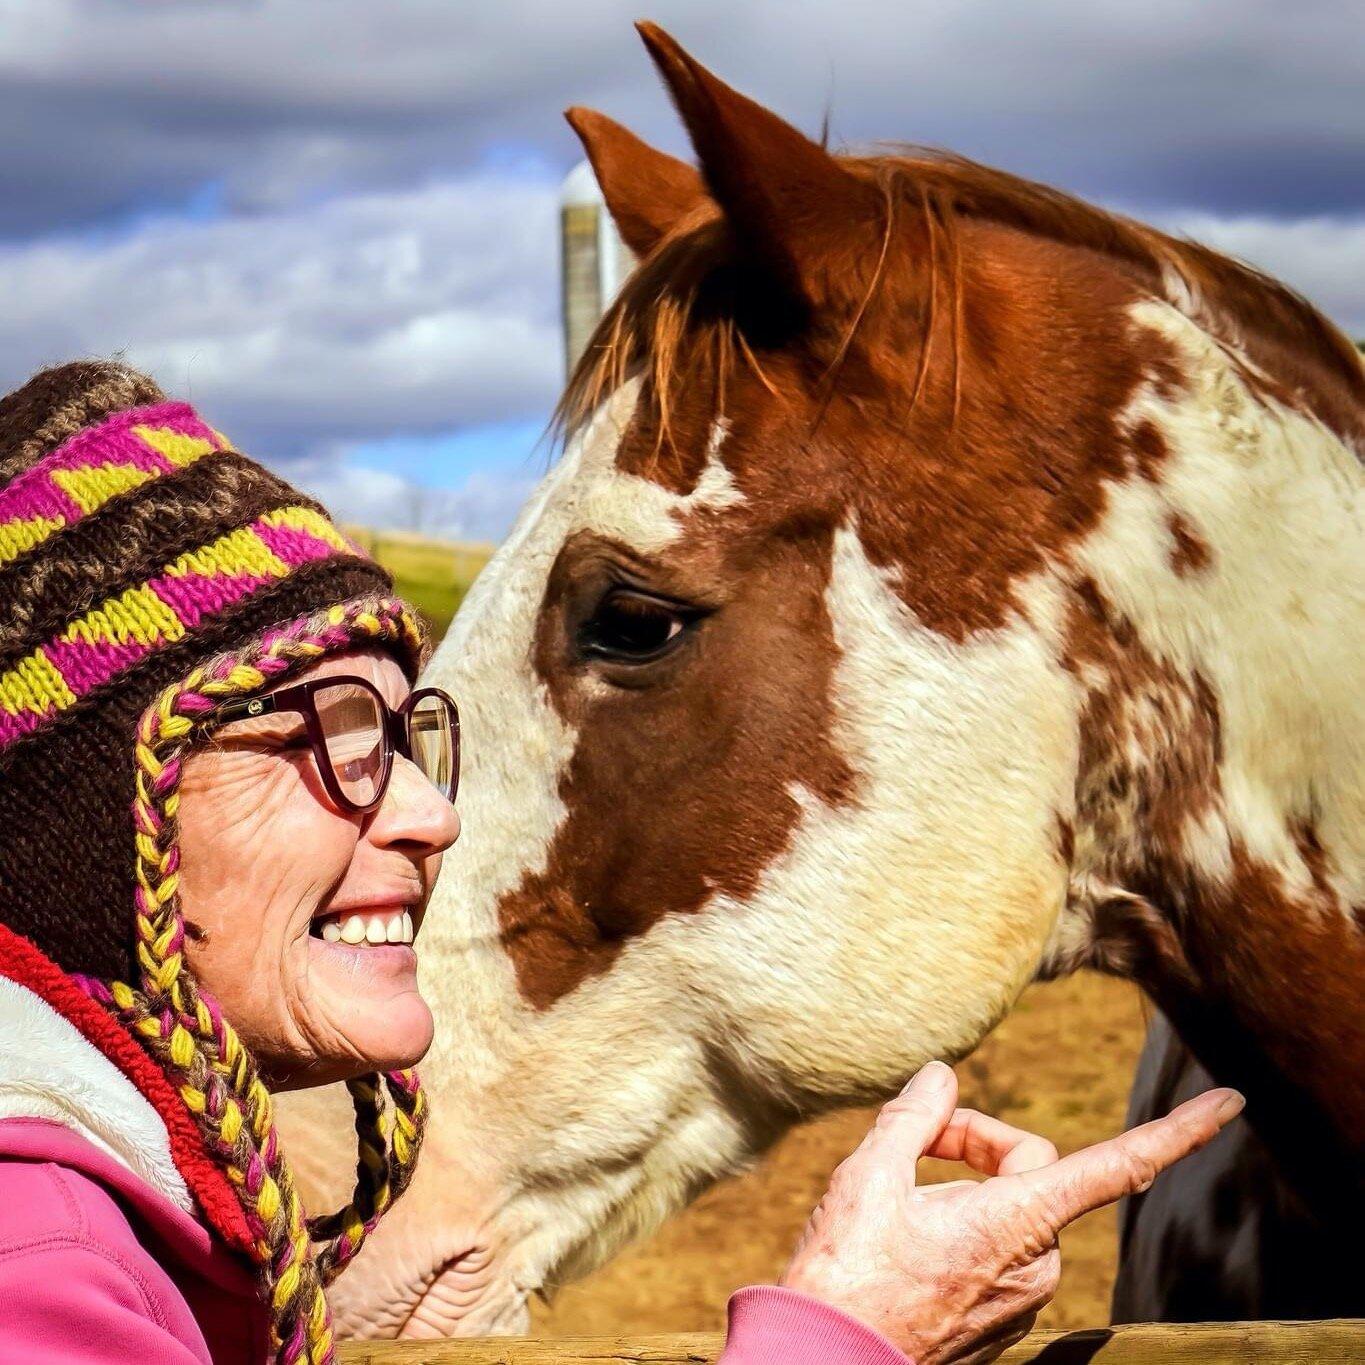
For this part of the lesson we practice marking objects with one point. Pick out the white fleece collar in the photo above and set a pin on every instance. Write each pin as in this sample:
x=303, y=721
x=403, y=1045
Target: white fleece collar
x=49, y=1070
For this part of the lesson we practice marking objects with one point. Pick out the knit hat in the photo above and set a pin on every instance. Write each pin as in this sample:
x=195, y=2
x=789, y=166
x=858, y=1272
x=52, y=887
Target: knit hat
x=149, y=572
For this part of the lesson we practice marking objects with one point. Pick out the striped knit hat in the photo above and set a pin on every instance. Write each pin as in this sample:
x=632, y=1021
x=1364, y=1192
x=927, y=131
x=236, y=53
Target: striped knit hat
x=148, y=572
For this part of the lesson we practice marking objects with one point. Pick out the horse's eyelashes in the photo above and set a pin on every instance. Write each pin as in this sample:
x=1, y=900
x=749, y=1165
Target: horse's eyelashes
x=632, y=627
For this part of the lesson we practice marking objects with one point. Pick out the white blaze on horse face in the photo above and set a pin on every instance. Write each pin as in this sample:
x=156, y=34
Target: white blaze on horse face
x=515, y=745
x=519, y=1161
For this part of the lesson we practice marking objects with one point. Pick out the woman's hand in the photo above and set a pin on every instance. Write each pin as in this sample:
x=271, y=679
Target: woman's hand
x=958, y=1272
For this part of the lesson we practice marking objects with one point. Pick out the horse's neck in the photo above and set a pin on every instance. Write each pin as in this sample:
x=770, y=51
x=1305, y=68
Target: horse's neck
x=1220, y=834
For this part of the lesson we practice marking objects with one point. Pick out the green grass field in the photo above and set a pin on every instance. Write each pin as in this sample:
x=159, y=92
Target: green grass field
x=433, y=575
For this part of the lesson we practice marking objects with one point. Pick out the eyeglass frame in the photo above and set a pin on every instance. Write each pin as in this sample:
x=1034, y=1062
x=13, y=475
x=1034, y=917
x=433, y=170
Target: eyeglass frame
x=394, y=730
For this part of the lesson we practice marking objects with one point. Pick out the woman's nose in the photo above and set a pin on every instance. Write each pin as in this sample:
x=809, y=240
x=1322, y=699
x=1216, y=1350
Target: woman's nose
x=413, y=812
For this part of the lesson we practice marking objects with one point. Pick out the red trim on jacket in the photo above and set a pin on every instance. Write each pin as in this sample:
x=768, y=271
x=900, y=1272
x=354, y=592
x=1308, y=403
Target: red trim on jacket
x=23, y=963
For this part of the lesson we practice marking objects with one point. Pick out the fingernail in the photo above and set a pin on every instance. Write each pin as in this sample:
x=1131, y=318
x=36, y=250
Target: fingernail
x=1232, y=1105
x=931, y=1076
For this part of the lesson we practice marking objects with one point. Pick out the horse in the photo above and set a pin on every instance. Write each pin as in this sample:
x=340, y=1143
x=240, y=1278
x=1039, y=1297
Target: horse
x=946, y=585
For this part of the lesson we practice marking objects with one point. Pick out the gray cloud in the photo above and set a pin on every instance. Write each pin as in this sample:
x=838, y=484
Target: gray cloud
x=1227, y=105
x=482, y=508
x=382, y=257
x=365, y=317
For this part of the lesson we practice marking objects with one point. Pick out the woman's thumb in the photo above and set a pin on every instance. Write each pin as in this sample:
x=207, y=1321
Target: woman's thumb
x=914, y=1120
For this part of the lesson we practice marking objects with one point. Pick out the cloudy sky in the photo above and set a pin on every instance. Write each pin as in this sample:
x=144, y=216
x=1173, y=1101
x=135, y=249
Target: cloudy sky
x=332, y=222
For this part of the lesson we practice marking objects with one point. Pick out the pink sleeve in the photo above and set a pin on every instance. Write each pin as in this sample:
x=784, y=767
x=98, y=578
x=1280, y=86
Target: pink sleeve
x=772, y=1326
x=67, y=1302
x=76, y=1285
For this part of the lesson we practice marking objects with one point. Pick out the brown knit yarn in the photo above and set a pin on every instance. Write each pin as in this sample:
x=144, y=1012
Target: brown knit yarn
x=66, y=866
x=134, y=546
x=55, y=404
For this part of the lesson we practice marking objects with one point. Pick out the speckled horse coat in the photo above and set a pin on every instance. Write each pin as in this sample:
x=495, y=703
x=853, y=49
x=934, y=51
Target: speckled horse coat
x=946, y=584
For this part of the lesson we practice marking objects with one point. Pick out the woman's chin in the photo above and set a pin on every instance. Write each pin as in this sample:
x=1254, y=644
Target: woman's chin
x=370, y=997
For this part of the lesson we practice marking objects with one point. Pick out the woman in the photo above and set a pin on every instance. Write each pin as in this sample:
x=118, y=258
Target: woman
x=223, y=810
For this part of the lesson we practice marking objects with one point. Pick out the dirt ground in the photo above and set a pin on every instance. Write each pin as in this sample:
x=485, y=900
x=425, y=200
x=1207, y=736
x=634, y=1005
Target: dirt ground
x=1059, y=1064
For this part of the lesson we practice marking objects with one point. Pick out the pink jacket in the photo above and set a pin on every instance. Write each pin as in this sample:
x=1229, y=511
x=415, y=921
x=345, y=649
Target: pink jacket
x=105, y=1253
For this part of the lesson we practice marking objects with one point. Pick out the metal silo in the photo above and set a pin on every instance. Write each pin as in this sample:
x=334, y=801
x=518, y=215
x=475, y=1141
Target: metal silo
x=593, y=259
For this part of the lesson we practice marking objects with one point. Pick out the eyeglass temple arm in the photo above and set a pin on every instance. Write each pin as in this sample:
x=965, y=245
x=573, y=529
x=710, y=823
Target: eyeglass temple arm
x=248, y=706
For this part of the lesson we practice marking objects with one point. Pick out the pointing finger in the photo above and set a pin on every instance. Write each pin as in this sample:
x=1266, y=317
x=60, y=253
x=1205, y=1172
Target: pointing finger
x=1098, y=1175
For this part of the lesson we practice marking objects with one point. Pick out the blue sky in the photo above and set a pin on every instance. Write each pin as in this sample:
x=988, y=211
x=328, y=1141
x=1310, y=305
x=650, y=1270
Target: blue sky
x=333, y=224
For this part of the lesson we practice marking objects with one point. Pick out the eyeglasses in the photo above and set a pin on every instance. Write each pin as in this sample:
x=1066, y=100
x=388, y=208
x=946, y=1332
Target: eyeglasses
x=354, y=734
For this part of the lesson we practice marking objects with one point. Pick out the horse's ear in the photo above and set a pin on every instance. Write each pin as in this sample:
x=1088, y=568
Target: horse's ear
x=790, y=203
x=646, y=191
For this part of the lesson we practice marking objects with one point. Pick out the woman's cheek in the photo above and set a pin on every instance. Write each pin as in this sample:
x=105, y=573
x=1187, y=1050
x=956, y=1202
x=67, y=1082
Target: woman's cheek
x=314, y=852
x=257, y=843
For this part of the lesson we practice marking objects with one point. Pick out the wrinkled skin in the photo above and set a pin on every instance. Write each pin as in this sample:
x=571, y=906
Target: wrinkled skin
x=265, y=854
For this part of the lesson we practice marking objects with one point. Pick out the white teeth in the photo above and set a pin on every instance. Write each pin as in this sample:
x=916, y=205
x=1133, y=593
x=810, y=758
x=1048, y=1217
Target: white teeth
x=363, y=930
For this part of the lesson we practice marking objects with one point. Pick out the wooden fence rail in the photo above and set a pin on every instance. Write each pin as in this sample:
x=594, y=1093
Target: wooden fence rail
x=1340, y=1342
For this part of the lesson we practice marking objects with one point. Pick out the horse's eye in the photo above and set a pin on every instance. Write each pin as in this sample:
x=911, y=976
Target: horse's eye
x=629, y=627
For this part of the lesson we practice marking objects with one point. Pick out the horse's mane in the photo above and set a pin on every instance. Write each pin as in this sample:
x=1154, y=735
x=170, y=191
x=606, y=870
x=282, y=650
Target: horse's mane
x=668, y=322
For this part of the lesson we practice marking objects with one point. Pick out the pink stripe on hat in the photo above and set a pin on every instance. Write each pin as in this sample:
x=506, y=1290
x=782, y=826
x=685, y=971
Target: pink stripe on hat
x=291, y=545
x=194, y=596
x=33, y=493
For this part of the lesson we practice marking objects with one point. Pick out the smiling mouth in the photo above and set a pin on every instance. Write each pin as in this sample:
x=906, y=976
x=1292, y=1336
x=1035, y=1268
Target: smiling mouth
x=361, y=929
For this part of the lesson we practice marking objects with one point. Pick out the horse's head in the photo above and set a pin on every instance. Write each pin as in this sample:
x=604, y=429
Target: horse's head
x=770, y=699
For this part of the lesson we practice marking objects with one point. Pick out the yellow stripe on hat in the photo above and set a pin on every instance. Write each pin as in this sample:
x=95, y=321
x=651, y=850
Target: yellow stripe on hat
x=21, y=535
x=136, y=615
x=178, y=448
x=34, y=685
x=93, y=485
x=239, y=552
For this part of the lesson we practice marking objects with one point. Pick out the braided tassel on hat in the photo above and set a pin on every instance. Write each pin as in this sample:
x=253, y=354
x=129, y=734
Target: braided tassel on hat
x=202, y=1053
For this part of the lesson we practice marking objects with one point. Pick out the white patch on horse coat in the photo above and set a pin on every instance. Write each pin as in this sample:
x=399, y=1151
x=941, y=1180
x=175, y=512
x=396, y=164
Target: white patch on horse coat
x=901, y=926
x=1275, y=623
x=504, y=1078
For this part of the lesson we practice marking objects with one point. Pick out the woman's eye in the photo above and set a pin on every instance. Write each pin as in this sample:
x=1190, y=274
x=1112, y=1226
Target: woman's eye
x=631, y=627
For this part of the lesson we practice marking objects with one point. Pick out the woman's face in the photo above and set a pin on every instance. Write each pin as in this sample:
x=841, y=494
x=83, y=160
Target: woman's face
x=269, y=865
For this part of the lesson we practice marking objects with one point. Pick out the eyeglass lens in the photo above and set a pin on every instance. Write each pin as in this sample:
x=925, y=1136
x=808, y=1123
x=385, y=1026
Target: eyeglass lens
x=431, y=739
x=353, y=732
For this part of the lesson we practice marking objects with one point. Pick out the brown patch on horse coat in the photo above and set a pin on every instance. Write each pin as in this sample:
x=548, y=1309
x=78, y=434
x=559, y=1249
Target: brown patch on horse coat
x=705, y=767
x=1150, y=739
x=1251, y=970
x=1003, y=464
x=1190, y=552
x=1149, y=449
